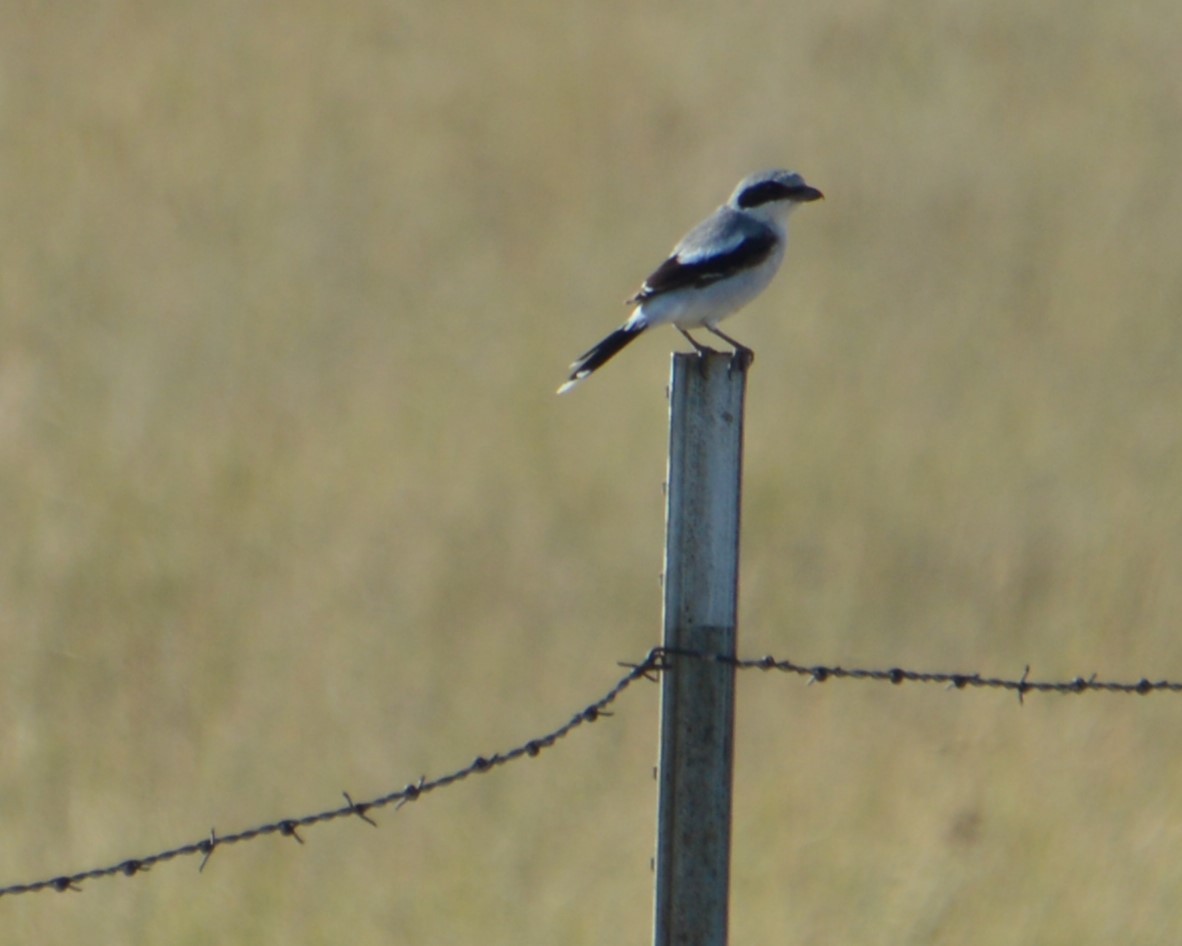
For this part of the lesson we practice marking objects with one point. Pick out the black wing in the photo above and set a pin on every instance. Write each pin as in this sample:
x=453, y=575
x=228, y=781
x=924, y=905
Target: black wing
x=676, y=273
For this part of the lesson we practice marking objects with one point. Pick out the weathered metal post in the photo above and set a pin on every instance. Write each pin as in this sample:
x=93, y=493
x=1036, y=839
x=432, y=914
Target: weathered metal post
x=701, y=581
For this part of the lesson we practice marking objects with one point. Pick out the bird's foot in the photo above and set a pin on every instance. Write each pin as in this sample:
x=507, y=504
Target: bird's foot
x=741, y=359
x=703, y=352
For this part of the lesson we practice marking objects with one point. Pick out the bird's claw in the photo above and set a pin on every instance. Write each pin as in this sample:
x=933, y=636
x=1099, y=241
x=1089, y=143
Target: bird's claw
x=741, y=358
x=703, y=352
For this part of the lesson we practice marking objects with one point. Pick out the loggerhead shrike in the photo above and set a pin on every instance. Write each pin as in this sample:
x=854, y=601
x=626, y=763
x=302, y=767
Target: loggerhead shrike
x=717, y=268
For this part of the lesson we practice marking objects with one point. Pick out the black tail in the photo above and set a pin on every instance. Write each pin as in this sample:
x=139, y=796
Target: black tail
x=596, y=357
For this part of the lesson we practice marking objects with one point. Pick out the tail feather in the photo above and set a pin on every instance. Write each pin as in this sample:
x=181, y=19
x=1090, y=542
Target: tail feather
x=595, y=357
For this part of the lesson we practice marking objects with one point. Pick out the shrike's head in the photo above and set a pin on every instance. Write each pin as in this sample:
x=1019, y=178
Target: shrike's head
x=772, y=195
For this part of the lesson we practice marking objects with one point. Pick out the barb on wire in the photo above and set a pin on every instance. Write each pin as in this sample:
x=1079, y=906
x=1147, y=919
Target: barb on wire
x=289, y=827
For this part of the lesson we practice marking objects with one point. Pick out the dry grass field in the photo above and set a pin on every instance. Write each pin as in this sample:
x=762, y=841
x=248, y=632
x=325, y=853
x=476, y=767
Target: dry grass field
x=288, y=505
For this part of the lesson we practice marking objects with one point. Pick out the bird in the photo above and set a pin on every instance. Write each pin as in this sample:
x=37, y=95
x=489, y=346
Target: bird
x=718, y=267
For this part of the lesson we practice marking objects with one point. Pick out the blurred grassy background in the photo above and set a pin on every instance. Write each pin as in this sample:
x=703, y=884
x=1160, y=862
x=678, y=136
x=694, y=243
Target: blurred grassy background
x=288, y=504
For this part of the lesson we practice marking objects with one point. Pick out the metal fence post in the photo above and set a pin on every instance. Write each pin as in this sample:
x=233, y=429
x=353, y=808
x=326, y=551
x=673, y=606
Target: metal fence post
x=697, y=697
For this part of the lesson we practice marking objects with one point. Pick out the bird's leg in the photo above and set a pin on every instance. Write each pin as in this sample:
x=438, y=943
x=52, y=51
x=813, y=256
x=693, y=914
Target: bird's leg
x=743, y=355
x=702, y=350
x=698, y=346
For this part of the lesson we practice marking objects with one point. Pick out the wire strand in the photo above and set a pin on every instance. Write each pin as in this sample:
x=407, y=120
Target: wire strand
x=658, y=660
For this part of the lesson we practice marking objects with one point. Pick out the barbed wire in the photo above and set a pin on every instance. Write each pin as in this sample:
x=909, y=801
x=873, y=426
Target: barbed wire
x=657, y=660
x=289, y=827
x=959, y=681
